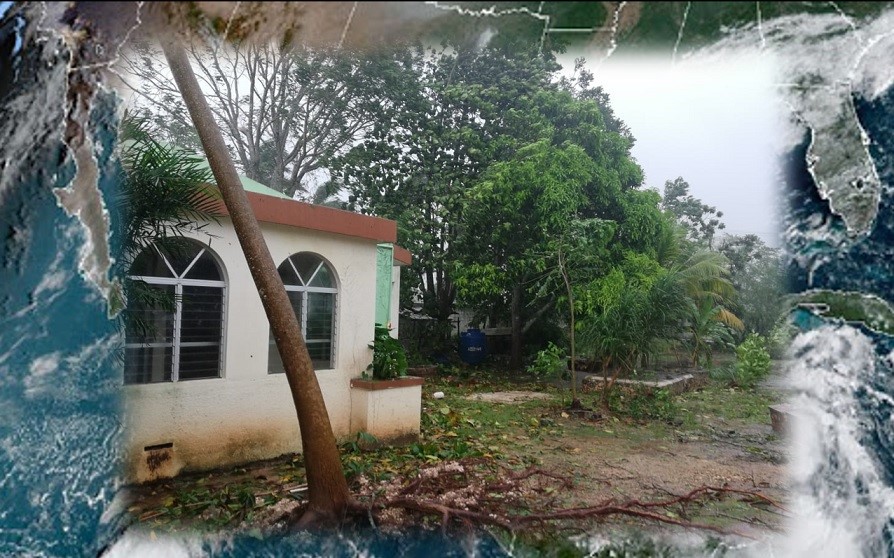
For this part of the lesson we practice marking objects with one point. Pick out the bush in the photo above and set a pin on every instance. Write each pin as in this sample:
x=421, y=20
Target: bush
x=752, y=363
x=725, y=374
x=550, y=362
x=752, y=357
x=389, y=358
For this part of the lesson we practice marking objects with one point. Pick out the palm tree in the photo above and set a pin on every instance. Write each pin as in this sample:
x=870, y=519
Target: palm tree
x=669, y=244
x=705, y=274
x=634, y=327
x=706, y=328
x=165, y=193
x=328, y=495
x=704, y=279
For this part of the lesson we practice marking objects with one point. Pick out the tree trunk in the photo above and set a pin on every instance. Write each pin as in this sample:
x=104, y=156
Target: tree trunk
x=327, y=488
x=515, y=352
x=575, y=402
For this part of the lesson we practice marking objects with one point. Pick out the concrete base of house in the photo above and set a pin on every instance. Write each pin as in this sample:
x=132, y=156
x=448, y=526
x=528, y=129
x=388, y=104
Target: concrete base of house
x=390, y=410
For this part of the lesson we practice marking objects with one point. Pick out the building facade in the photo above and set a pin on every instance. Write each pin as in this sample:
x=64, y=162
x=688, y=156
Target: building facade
x=204, y=384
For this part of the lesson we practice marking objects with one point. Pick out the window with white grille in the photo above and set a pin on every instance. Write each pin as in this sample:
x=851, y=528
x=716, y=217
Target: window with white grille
x=310, y=284
x=175, y=316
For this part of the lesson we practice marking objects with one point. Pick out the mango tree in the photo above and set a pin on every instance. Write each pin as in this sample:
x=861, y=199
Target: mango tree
x=463, y=109
x=511, y=217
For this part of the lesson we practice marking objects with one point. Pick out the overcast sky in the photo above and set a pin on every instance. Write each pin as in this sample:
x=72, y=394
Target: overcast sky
x=714, y=125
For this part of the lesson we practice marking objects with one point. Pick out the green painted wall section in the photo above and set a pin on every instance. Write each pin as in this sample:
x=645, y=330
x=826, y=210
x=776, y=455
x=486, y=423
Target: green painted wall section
x=384, y=263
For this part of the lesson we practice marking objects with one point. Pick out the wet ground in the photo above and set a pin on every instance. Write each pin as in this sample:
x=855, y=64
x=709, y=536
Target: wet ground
x=713, y=436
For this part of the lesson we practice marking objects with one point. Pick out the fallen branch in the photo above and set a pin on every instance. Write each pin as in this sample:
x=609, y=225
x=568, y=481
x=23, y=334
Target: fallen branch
x=450, y=492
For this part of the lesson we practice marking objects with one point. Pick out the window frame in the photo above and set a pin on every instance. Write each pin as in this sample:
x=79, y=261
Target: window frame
x=178, y=282
x=304, y=289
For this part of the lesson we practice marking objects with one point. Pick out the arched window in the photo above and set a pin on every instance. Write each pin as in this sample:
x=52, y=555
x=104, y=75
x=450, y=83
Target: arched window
x=310, y=284
x=175, y=311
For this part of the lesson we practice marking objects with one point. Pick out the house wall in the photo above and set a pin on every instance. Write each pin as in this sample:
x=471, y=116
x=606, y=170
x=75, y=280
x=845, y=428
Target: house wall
x=248, y=414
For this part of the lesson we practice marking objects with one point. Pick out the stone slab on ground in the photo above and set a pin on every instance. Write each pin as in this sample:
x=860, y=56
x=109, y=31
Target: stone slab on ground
x=782, y=415
x=675, y=386
x=508, y=396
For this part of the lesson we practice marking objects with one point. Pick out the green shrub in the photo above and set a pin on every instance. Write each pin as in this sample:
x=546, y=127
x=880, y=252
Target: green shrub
x=389, y=358
x=752, y=363
x=550, y=362
x=753, y=359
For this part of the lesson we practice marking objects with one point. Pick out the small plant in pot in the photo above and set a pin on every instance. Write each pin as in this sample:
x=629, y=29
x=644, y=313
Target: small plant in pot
x=389, y=358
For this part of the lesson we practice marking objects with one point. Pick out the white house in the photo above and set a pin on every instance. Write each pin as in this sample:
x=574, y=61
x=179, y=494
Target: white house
x=205, y=388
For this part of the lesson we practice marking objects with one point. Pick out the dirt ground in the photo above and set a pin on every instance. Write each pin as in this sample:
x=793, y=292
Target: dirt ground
x=650, y=468
x=613, y=458
x=646, y=450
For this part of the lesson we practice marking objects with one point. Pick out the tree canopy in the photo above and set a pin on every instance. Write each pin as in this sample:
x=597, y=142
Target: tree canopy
x=285, y=110
x=475, y=111
x=700, y=220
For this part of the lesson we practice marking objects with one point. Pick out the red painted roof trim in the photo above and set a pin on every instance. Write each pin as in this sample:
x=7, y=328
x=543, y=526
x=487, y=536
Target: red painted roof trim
x=294, y=213
x=402, y=256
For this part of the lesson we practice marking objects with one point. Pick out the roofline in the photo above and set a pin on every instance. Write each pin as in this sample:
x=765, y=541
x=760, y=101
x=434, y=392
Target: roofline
x=294, y=213
x=402, y=256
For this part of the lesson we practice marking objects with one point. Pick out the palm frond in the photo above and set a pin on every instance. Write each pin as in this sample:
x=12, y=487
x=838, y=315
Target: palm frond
x=166, y=191
x=729, y=319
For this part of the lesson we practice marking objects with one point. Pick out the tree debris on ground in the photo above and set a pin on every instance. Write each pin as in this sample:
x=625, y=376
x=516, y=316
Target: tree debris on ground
x=477, y=492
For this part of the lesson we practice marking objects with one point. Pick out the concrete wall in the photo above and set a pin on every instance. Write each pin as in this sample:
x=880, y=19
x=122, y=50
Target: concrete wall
x=248, y=414
x=391, y=414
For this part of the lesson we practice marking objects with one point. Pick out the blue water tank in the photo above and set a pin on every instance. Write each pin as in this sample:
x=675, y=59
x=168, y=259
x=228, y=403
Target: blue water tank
x=472, y=346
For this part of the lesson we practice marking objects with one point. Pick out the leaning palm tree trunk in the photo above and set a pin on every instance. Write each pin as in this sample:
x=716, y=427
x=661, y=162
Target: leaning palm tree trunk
x=327, y=487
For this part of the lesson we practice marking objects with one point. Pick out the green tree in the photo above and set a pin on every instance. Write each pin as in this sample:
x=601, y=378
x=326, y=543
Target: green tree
x=469, y=111
x=581, y=85
x=463, y=111
x=704, y=278
x=579, y=253
x=740, y=251
x=760, y=294
x=704, y=275
x=701, y=221
x=511, y=216
x=758, y=273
